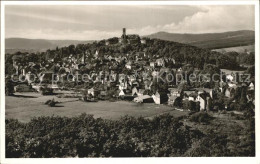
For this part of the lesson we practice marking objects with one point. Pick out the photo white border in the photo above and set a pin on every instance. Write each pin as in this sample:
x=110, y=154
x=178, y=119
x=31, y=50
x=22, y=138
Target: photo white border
x=200, y=160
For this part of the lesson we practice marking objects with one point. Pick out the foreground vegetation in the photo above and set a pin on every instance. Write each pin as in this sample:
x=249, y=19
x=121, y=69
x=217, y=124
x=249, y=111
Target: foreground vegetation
x=164, y=135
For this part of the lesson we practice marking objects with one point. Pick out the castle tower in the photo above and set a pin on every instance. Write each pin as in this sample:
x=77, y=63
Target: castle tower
x=124, y=33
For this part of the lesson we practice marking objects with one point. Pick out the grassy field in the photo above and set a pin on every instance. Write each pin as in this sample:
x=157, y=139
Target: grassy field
x=239, y=49
x=24, y=106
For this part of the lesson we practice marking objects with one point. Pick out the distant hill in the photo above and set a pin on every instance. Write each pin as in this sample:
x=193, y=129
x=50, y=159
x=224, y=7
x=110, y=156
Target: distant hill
x=210, y=40
x=33, y=45
x=206, y=40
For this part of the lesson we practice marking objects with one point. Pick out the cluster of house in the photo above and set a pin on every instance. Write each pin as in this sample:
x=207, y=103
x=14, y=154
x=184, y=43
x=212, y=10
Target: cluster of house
x=139, y=89
x=134, y=81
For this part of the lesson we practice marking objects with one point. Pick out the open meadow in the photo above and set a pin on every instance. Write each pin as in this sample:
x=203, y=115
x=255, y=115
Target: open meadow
x=24, y=106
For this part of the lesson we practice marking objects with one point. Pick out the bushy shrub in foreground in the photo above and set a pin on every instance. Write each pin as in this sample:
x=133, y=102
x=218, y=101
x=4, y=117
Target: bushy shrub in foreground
x=201, y=117
x=84, y=136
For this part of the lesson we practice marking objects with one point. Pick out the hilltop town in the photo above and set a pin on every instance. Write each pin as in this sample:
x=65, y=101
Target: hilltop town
x=168, y=99
x=103, y=80
x=139, y=69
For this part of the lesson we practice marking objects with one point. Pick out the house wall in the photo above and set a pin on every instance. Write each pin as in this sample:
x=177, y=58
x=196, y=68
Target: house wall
x=121, y=93
x=202, y=104
x=134, y=91
x=227, y=93
x=156, y=99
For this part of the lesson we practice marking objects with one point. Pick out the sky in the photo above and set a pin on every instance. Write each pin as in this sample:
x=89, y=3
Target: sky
x=96, y=22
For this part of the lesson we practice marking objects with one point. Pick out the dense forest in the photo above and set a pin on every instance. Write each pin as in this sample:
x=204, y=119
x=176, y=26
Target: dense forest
x=162, y=136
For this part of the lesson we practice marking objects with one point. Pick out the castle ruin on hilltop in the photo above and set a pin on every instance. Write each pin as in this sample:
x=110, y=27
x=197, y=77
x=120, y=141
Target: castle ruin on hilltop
x=126, y=39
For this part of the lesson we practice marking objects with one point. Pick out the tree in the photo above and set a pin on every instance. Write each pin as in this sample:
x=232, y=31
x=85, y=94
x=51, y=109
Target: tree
x=178, y=102
x=183, y=86
x=197, y=106
x=226, y=62
x=192, y=105
x=9, y=87
x=251, y=71
x=243, y=99
x=209, y=104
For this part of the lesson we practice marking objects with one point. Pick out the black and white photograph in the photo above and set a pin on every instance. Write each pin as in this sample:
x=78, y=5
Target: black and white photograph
x=129, y=79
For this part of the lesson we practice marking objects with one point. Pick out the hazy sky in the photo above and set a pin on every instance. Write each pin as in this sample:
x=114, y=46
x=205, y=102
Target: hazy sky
x=100, y=22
